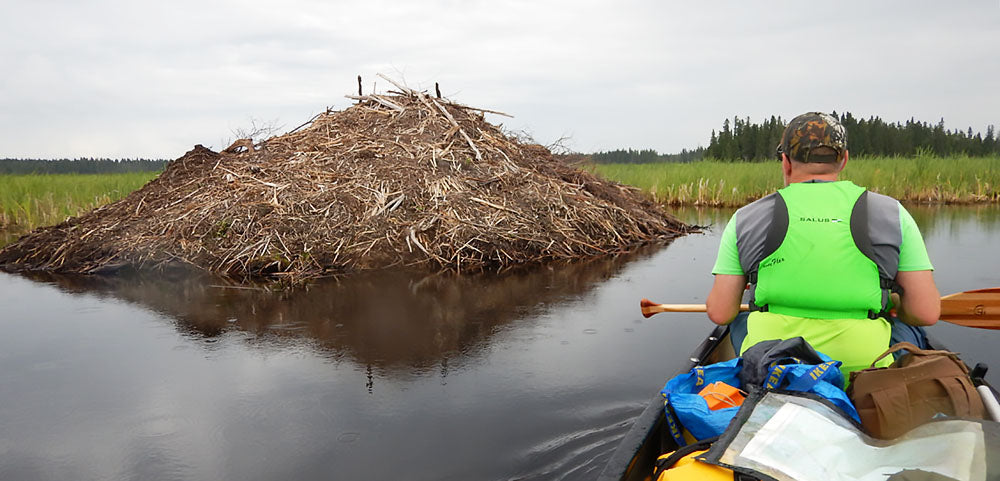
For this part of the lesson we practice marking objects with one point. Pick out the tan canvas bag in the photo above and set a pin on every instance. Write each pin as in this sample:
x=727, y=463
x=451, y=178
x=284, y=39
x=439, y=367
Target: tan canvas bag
x=892, y=400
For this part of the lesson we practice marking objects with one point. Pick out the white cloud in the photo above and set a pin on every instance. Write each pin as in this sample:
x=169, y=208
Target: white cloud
x=128, y=79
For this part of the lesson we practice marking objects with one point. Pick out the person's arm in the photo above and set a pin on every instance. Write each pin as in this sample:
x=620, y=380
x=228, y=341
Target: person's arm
x=920, y=303
x=723, y=301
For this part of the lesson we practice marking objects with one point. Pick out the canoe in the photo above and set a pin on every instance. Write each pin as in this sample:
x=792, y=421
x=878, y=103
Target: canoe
x=648, y=438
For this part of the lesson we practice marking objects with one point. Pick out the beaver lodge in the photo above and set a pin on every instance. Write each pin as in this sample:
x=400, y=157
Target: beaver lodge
x=398, y=179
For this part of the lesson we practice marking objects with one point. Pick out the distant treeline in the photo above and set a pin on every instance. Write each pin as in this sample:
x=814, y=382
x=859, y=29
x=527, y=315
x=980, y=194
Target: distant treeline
x=744, y=140
x=646, y=156
x=79, y=166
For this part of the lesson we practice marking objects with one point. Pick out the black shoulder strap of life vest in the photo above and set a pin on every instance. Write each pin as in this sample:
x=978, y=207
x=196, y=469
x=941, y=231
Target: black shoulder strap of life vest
x=861, y=232
x=668, y=462
x=775, y=236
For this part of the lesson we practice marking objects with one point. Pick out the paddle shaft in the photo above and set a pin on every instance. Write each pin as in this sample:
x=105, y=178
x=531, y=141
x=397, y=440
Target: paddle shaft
x=652, y=308
x=978, y=308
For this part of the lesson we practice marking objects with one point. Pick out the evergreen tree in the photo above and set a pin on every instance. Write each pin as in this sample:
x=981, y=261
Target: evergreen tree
x=743, y=140
x=79, y=166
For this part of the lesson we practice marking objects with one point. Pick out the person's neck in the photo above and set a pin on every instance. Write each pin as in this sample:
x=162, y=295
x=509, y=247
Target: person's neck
x=802, y=177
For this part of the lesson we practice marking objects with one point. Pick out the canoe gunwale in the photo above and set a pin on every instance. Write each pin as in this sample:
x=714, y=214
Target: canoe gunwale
x=647, y=428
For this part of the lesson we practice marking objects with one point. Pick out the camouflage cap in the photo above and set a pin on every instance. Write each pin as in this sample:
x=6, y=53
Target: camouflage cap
x=809, y=131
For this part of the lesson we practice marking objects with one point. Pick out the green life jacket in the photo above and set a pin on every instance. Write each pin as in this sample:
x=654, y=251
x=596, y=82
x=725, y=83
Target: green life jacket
x=817, y=257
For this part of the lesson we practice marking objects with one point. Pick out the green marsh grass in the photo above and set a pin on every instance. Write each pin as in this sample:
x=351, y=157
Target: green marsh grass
x=925, y=179
x=30, y=201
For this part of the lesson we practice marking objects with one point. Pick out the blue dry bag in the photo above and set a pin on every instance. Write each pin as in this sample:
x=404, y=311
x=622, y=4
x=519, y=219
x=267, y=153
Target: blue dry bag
x=686, y=409
x=823, y=379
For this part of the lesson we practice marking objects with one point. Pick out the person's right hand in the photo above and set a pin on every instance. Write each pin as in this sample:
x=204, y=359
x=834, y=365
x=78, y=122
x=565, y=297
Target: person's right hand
x=893, y=304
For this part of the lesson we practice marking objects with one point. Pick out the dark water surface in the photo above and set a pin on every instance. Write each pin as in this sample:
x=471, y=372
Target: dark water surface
x=528, y=375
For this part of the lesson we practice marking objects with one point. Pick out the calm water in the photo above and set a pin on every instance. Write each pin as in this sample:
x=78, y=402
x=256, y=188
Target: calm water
x=528, y=375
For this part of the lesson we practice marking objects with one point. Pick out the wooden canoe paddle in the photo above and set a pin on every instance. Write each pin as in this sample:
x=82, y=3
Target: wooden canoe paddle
x=978, y=308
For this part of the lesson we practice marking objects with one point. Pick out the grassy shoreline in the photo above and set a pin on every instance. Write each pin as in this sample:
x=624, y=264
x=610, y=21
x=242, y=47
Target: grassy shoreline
x=922, y=179
x=35, y=200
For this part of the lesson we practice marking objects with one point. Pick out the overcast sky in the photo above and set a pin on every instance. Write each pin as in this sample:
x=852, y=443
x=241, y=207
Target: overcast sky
x=108, y=78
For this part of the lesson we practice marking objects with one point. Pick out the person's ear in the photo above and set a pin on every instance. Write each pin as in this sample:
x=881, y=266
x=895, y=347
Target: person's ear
x=786, y=165
x=843, y=163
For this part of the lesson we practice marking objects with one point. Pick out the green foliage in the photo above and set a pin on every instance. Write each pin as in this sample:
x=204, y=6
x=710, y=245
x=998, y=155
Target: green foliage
x=706, y=182
x=954, y=179
x=29, y=201
x=929, y=178
x=743, y=140
x=79, y=166
x=222, y=227
x=646, y=156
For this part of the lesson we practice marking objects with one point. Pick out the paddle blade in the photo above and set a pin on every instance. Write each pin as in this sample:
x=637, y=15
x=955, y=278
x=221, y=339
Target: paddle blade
x=979, y=308
x=647, y=306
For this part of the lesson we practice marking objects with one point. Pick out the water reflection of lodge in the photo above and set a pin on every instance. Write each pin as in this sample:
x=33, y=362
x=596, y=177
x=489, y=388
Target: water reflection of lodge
x=386, y=319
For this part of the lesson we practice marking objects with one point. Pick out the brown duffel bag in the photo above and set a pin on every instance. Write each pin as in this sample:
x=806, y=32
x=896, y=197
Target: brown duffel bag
x=892, y=400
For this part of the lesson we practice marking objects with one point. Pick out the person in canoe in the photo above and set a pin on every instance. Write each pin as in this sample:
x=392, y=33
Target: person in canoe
x=824, y=258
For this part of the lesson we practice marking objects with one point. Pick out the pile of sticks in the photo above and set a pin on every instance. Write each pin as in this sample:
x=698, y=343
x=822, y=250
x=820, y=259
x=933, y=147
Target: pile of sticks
x=400, y=178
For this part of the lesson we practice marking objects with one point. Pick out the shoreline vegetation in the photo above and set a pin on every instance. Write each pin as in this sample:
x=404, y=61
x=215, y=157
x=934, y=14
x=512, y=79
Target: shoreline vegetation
x=925, y=179
x=28, y=201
